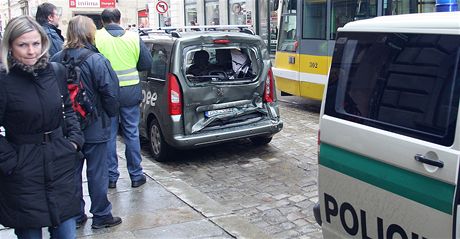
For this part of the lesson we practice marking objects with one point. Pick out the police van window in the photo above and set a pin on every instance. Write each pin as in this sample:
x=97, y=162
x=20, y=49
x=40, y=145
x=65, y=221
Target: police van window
x=404, y=83
x=159, y=62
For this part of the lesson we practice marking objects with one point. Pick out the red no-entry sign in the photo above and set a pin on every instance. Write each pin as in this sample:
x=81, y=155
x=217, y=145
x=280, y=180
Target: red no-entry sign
x=161, y=7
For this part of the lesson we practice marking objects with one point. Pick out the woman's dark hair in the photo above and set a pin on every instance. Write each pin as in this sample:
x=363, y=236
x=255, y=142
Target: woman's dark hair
x=43, y=11
x=110, y=15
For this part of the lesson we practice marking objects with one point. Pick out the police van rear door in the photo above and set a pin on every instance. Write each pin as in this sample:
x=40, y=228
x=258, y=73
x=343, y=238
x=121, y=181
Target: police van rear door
x=389, y=158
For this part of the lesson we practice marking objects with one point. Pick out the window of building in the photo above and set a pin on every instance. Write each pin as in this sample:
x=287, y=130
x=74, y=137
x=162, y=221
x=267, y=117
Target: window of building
x=165, y=21
x=191, y=13
x=262, y=25
x=240, y=13
x=212, y=12
x=142, y=18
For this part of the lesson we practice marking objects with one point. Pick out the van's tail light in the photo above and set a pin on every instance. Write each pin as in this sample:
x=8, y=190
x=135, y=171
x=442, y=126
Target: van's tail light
x=175, y=96
x=269, y=88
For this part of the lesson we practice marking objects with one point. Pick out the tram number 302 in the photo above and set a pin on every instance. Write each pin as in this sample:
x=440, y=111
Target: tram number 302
x=313, y=64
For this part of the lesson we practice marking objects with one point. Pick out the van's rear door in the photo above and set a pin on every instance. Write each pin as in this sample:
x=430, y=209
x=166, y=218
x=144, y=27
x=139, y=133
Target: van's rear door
x=224, y=81
x=389, y=155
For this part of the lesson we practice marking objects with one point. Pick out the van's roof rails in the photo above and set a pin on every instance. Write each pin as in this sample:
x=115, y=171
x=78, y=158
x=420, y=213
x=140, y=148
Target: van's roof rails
x=241, y=28
x=175, y=34
x=147, y=31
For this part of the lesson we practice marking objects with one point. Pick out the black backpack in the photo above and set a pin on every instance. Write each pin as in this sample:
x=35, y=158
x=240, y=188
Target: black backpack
x=83, y=106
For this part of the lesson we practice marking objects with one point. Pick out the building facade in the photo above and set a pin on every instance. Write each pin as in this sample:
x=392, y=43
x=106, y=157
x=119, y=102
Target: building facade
x=159, y=13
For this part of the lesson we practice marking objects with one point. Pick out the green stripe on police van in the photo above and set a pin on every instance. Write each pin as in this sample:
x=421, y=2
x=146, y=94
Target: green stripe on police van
x=424, y=190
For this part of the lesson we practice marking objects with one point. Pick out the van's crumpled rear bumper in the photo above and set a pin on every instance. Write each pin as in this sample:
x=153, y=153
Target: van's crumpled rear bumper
x=264, y=128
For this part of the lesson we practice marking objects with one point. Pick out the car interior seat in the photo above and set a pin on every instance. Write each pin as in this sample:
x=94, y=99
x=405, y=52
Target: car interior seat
x=200, y=63
x=224, y=59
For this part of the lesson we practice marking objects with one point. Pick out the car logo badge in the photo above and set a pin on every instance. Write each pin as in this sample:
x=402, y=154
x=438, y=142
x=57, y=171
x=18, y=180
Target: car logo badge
x=220, y=92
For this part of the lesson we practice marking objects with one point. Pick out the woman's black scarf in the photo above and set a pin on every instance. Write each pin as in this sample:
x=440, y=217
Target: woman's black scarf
x=41, y=64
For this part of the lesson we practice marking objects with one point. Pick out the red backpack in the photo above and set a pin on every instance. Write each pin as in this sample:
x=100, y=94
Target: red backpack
x=81, y=102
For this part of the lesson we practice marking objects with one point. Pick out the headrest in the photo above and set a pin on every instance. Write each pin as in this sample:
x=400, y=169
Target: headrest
x=201, y=57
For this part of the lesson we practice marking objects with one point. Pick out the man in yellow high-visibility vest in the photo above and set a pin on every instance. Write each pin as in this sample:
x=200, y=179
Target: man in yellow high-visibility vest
x=128, y=55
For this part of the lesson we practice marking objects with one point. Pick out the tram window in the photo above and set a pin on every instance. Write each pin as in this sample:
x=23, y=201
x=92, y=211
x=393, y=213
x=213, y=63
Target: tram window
x=314, y=19
x=396, y=7
x=345, y=11
x=288, y=27
x=292, y=5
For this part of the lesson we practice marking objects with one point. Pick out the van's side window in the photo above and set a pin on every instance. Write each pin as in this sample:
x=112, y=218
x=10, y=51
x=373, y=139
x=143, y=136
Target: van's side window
x=160, y=62
x=405, y=83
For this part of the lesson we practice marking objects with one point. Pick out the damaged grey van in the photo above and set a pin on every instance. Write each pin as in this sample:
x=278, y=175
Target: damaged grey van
x=206, y=88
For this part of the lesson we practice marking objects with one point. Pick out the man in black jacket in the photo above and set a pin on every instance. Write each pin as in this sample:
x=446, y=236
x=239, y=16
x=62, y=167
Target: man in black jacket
x=48, y=18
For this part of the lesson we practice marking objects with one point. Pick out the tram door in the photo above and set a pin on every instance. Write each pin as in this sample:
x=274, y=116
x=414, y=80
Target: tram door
x=287, y=59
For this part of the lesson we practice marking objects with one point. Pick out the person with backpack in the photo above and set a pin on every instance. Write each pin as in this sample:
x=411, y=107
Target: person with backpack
x=48, y=16
x=41, y=141
x=128, y=55
x=94, y=87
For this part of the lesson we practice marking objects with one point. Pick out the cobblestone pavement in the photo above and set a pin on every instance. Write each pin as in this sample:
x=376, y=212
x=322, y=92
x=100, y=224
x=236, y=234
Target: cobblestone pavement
x=274, y=186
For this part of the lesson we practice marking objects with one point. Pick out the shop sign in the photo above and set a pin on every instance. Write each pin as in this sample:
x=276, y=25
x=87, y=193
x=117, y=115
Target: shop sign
x=91, y=3
x=107, y=3
x=142, y=13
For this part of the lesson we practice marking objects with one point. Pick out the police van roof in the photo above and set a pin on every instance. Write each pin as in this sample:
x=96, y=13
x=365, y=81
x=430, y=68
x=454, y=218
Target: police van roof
x=436, y=23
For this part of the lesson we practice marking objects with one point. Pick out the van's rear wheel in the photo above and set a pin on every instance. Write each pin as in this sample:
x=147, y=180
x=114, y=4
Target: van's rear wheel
x=161, y=151
x=261, y=140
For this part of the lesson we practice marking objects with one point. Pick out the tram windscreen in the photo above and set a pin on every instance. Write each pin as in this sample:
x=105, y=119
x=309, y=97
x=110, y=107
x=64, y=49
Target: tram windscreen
x=396, y=7
x=345, y=11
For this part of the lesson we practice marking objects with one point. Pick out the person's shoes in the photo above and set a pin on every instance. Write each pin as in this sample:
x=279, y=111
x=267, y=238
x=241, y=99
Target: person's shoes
x=110, y=222
x=81, y=220
x=112, y=184
x=139, y=182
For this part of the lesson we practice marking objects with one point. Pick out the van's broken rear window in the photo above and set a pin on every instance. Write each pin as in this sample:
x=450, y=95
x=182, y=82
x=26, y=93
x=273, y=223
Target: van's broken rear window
x=222, y=65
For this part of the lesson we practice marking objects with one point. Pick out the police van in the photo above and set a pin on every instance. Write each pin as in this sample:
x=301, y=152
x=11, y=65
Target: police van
x=389, y=141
